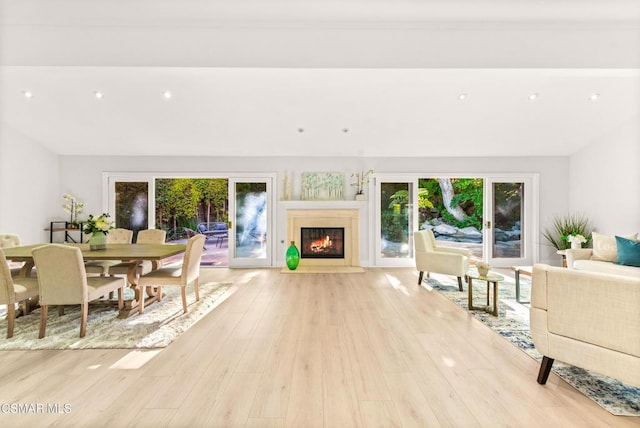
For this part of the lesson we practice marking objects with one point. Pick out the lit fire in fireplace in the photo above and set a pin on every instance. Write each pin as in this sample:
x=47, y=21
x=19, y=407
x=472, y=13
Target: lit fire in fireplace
x=322, y=242
x=321, y=245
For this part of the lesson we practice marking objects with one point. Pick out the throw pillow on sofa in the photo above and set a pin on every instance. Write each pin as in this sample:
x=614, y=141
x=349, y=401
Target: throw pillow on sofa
x=628, y=252
x=605, y=248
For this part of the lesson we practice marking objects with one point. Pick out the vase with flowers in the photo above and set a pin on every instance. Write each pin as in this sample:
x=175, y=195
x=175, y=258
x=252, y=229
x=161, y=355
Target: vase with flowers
x=98, y=228
x=576, y=241
x=359, y=180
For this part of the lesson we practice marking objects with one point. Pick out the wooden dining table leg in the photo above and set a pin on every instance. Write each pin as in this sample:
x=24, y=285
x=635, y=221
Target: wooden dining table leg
x=132, y=306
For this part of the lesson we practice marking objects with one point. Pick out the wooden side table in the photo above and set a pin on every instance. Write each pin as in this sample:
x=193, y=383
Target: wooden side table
x=491, y=279
x=563, y=253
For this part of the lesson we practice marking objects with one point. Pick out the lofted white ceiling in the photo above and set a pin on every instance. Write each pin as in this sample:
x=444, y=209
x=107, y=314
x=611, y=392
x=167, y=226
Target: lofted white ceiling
x=348, y=78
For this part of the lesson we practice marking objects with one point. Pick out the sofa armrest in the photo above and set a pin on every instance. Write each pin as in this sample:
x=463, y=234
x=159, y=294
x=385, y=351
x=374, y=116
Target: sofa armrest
x=577, y=254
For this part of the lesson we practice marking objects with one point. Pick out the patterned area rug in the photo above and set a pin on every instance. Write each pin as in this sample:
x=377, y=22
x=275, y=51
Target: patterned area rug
x=512, y=323
x=159, y=325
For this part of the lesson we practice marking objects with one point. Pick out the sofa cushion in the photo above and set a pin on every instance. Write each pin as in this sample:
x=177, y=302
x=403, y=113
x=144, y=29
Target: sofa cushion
x=606, y=267
x=628, y=252
x=605, y=248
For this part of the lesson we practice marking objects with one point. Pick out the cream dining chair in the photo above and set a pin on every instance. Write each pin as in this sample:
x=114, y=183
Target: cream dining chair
x=146, y=236
x=430, y=257
x=178, y=274
x=14, y=290
x=62, y=280
x=115, y=236
x=9, y=240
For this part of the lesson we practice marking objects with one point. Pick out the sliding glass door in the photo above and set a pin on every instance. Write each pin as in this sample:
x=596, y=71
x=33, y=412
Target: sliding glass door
x=251, y=209
x=395, y=221
x=509, y=224
x=491, y=216
x=129, y=202
x=236, y=213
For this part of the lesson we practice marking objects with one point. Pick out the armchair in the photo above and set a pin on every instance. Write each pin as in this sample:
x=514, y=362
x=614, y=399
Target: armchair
x=430, y=257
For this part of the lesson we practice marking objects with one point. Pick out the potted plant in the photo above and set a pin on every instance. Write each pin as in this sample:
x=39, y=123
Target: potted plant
x=567, y=230
x=360, y=179
x=74, y=208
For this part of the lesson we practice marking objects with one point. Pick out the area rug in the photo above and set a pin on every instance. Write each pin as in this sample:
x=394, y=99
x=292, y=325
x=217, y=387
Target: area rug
x=512, y=323
x=159, y=325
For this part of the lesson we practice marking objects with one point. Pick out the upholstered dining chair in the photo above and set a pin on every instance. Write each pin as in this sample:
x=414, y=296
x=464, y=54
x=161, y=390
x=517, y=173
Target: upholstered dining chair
x=432, y=258
x=9, y=240
x=62, y=280
x=191, y=233
x=14, y=290
x=178, y=274
x=146, y=236
x=115, y=236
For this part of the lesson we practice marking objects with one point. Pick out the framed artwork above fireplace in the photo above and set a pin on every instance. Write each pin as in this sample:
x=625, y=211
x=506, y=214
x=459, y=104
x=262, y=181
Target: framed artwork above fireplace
x=322, y=186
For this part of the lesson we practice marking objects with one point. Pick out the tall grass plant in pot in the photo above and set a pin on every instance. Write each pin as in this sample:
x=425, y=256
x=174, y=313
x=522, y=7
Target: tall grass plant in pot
x=566, y=226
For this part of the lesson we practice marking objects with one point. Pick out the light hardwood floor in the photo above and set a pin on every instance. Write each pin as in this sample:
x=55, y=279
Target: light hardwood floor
x=305, y=350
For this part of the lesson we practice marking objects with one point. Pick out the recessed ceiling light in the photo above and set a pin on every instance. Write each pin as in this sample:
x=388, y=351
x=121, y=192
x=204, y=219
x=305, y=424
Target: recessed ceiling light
x=98, y=95
x=594, y=97
x=534, y=96
x=167, y=95
x=27, y=94
x=462, y=97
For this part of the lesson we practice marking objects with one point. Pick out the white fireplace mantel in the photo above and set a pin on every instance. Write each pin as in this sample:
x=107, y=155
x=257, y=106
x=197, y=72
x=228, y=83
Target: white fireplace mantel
x=345, y=214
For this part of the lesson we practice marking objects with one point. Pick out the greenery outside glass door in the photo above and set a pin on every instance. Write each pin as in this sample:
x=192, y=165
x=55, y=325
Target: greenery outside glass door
x=509, y=228
x=394, y=243
x=453, y=208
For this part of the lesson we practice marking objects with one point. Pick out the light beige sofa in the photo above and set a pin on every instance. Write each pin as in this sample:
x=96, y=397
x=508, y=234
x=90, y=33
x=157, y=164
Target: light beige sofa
x=584, y=260
x=590, y=320
x=601, y=258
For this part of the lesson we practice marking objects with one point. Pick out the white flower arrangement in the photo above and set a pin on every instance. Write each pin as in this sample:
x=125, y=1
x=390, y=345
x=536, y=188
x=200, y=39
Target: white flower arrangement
x=360, y=179
x=73, y=207
x=576, y=239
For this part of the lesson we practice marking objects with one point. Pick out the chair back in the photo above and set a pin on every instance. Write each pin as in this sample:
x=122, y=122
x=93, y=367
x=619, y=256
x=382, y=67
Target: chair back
x=7, y=292
x=151, y=236
x=120, y=236
x=424, y=241
x=8, y=240
x=62, y=279
x=192, y=258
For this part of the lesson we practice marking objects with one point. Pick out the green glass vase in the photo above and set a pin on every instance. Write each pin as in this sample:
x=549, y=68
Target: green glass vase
x=293, y=256
x=98, y=241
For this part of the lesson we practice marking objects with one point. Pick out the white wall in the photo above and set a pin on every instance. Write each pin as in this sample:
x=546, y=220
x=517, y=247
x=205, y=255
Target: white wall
x=29, y=188
x=605, y=180
x=82, y=176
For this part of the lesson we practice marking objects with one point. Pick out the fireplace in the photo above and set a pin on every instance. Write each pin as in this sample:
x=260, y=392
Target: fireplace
x=322, y=242
x=306, y=215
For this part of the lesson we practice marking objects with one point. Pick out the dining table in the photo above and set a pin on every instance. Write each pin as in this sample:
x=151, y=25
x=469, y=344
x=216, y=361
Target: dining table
x=134, y=254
